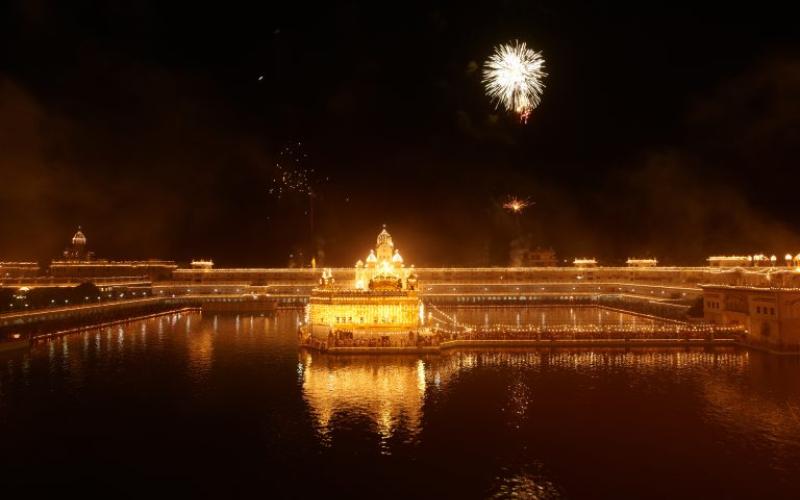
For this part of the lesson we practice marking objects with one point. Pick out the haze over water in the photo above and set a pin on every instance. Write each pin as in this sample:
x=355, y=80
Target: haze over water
x=228, y=405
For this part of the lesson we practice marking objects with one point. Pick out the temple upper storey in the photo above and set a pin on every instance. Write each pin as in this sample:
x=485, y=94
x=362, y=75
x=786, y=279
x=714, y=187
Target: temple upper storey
x=384, y=267
x=384, y=248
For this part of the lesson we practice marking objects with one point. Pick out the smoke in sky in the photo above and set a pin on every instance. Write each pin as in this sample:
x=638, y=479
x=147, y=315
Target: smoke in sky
x=165, y=166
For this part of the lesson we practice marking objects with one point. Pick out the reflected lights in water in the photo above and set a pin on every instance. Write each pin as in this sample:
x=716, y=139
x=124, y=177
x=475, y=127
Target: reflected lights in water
x=387, y=389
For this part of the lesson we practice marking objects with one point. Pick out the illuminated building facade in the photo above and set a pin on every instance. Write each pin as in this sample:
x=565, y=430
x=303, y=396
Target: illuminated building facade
x=521, y=255
x=204, y=264
x=633, y=262
x=771, y=316
x=383, y=297
x=80, y=263
x=18, y=270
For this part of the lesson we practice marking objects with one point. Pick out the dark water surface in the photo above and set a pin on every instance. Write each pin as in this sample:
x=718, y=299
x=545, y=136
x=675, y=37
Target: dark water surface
x=225, y=406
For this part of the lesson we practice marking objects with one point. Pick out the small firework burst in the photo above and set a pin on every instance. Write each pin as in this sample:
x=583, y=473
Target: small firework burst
x=516, y=205
x=292, y=174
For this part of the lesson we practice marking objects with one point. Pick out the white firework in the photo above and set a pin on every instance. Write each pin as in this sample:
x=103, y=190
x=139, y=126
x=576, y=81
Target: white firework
x=513, y=77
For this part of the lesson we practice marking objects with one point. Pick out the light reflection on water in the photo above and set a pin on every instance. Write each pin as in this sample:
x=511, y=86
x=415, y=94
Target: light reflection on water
x=532, y=485
x=391, y=388
x=202, y=393
x=389, y=392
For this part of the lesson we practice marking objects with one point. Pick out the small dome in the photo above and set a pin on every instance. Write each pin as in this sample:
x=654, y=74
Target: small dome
x=371, y=257
x=397, y=258
x=360, y=263
x=79, y=239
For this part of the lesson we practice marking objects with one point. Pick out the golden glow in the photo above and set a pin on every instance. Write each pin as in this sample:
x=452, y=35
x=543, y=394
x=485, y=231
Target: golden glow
x=756, y=260
x=364, y=310
x=730, y=260
x=642, y=262
x=388, y=393
x=383, y=297
x=384, y=268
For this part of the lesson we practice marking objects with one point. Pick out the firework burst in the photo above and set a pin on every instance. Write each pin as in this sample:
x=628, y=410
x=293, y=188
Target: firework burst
x=516, y=205
x=513, y=77
x=292, y=175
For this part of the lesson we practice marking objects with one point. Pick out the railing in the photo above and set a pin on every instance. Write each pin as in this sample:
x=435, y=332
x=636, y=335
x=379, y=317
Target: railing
x=37, y=323
x=674, y=309
x=590, y=334
x=671, y=331
x=34, y=281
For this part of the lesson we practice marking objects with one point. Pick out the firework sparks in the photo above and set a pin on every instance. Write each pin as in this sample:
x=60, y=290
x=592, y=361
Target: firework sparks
x=291, y=173
x=513, y=77
x=516, y=205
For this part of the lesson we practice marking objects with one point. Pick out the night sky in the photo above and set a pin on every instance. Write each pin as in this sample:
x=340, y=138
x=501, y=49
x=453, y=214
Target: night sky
x=665, y=130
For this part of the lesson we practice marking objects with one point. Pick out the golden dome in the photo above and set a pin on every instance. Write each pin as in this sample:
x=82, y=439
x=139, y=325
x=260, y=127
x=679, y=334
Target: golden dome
x=79, y=239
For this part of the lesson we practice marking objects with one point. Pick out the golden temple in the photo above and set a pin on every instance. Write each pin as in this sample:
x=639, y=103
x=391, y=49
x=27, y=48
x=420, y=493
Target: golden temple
x=382, y=300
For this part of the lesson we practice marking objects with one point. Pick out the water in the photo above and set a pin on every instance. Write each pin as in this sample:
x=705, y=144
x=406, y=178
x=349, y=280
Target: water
x=226, y=406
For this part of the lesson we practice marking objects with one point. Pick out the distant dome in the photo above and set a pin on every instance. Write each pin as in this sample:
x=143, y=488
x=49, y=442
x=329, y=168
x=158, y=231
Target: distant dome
x=397, y=258
x=371, y=257
x=79, y=239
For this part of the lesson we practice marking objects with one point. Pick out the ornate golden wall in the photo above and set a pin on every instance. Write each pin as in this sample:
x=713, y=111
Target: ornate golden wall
x=352, y=311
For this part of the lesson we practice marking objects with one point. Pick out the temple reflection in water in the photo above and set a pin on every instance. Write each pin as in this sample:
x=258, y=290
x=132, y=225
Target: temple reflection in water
x=390, y=390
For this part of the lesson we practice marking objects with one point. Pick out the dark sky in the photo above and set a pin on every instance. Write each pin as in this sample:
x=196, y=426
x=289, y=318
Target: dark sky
x=665, y=130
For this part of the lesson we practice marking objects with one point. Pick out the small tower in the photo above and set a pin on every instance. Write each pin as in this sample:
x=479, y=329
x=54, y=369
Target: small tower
x=79, y=239
x=385, y=246
x=77, y=248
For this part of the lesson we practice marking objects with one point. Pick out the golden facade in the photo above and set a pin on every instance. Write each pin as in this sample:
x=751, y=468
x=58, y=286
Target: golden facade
x=383, y=296
x=770, y=316
x=360, y=309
